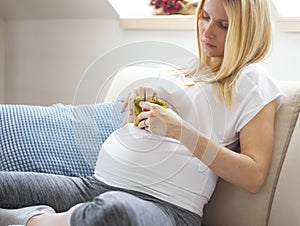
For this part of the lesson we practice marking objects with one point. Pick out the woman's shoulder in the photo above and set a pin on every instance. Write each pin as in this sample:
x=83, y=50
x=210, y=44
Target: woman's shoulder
x=254, y=81
x=254, y=73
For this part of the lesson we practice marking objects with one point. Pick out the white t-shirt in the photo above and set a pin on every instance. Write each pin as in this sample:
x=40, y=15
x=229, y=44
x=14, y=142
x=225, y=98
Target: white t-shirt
x=135, y=159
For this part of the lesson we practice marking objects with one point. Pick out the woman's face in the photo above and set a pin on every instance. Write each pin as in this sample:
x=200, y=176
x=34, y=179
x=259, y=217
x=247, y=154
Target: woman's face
x=213, y=26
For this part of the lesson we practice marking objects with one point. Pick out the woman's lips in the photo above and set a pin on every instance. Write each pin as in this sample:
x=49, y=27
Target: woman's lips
x=208, y=45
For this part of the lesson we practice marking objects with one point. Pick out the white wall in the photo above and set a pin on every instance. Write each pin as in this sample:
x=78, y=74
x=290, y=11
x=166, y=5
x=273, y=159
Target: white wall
x=283, y=62
x=47, y=57
x=2, y=65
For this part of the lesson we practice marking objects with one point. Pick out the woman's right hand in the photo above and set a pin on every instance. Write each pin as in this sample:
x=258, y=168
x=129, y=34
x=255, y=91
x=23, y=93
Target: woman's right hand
x=145, y=92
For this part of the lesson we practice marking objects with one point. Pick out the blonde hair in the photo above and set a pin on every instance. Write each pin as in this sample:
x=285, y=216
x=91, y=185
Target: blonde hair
x=248, y=41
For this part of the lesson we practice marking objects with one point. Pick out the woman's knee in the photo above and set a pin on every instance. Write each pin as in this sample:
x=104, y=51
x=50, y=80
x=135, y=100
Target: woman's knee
x=110, y=208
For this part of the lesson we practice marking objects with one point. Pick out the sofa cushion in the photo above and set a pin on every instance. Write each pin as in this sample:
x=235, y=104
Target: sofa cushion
x=233, y=206
x=286, y=202
x=58, y=139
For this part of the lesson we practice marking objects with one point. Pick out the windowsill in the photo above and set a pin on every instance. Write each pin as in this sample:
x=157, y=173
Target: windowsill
x=170, y=22
x=287, y=15
x=288, y=24
x=138, y=14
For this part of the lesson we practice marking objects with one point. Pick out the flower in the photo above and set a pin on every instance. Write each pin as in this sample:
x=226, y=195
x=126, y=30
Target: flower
x=167, y=7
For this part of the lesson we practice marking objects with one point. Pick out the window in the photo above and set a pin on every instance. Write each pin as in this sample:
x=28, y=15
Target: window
x=288, y=15
x=136, y=14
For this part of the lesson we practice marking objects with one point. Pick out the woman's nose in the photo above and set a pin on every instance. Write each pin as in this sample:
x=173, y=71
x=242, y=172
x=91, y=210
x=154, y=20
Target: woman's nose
x=209, y=30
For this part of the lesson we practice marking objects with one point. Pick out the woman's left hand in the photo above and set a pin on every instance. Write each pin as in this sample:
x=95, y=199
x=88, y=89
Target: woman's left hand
x=159, y=120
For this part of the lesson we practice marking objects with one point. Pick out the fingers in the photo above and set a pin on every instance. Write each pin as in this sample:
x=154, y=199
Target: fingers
x=128, y=103
x=146, y=93
x=145, y=117
x=144, y=124
x=146, y=106
x=124, y=106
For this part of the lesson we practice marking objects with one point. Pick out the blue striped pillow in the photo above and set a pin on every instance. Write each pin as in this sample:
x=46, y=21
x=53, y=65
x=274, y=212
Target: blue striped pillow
x=58, y=139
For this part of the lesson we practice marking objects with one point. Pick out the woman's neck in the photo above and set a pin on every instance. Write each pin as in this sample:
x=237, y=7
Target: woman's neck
x=214, y=62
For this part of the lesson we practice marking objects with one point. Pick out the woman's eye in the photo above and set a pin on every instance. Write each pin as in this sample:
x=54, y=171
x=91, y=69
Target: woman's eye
x=205, y=16
x=223, y=25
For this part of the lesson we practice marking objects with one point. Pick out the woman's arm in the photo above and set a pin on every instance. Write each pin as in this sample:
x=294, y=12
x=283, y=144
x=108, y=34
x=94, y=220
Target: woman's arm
x=249, y=168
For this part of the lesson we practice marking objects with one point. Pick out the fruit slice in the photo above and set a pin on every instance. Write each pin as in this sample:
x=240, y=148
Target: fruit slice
x=138, y=109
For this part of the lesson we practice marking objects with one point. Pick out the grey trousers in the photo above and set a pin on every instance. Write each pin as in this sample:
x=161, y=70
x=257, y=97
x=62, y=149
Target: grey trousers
x=102, y=204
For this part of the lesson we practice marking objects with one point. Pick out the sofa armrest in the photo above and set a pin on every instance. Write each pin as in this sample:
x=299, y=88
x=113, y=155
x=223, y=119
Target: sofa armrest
x=233, y=206
x=286, y=203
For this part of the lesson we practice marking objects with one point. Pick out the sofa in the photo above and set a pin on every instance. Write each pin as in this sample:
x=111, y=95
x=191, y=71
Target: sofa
x=278, y=202
x=78, y=132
